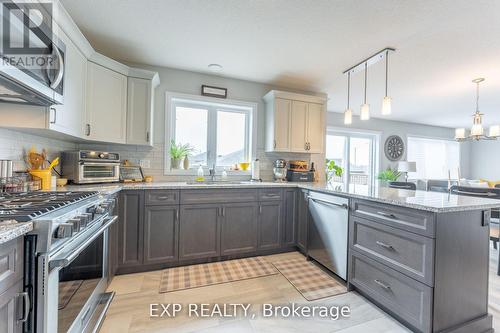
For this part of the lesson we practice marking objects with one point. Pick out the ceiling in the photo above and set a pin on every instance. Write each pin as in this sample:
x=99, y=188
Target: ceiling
x=306, y=44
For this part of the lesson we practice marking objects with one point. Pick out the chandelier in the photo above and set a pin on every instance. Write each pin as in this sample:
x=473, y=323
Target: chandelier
x=477, y=129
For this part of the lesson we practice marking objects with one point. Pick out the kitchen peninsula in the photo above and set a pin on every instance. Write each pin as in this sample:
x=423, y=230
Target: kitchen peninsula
x=420, y=256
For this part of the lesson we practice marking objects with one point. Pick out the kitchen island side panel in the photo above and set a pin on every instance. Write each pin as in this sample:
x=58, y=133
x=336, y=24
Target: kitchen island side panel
x=461, y=269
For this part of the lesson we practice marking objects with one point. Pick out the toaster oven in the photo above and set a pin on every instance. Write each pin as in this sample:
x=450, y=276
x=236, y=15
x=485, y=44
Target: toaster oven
x=88, y=167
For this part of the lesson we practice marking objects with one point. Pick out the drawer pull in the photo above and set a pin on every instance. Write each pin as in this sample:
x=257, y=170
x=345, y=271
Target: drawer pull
x=382, y=284
x=389, y=215
x=162, y=198
x=385, y=246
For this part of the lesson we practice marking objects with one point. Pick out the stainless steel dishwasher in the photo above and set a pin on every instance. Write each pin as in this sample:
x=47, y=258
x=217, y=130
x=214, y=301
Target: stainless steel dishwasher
x=327, y=243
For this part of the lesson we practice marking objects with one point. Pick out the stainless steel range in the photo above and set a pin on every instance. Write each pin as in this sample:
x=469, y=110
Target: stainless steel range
x=66, y=257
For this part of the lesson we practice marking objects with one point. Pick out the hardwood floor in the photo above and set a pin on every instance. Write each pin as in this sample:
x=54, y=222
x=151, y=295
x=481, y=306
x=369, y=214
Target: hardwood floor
x=129, y=311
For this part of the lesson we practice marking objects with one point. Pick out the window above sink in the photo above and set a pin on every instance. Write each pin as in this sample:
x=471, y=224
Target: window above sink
x=220, y=132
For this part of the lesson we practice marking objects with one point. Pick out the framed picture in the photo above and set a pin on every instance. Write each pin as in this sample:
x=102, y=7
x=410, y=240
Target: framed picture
x=213, y=91
x=131, y=174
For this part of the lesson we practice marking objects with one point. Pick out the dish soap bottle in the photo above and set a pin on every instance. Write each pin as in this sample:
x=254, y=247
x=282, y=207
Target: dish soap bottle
x=224, y=174
x=201, y=175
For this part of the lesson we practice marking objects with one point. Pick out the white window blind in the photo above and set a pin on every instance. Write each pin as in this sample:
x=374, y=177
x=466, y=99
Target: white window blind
x=434, y=158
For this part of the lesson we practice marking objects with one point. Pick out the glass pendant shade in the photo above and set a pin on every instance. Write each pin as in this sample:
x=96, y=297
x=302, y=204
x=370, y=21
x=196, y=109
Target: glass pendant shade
x=386, y=106
x=494, y=131
x=365, y=112
x=348, y=117
x=460, y=133
x=477, y=130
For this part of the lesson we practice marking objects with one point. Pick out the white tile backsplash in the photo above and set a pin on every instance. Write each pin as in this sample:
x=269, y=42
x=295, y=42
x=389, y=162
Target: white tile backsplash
x=14, y=144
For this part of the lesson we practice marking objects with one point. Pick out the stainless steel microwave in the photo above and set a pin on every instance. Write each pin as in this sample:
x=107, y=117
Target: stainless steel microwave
x=88, y=167
x=33, y=73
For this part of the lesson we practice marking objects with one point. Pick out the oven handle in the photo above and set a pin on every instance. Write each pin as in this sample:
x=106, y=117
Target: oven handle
x=63, y=262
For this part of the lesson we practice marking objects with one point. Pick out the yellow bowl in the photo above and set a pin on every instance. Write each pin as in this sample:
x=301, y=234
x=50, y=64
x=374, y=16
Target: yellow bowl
x=244, y=166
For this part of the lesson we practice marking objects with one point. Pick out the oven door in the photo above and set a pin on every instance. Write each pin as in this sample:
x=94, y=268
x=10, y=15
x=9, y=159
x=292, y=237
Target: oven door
x=95, y=172
x=77, y=281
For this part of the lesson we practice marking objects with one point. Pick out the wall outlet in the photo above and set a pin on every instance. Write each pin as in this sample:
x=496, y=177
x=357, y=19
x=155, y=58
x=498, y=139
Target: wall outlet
x=145, y=164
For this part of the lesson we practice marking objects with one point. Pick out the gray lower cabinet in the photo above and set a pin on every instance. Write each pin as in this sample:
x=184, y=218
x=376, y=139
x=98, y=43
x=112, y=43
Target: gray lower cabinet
x=161, y=226
x=11, y=309
x=239, y=228
x=290, y=219
x=302, y=219
x=131, y=228
x=199, y=231
x=270, y=224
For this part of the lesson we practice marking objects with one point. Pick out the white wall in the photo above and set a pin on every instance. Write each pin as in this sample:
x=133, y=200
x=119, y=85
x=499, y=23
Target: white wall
x=403, y=129
x=485, y=160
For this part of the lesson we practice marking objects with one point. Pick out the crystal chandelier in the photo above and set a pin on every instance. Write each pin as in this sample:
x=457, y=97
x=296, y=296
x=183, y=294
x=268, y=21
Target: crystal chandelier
x=477, y=129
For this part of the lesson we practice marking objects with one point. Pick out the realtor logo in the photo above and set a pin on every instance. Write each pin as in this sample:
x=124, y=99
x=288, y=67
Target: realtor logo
x=27, y=39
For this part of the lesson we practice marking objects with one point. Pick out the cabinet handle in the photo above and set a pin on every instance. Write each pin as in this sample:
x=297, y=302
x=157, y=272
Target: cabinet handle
x=162, y=197
x=177, y=215
x=385, y=246
x=88, y=130
x=26, y=307
x=55, y=115
x=389, y=215
x=147, y=136
x=260, y=209
x=223, y=211
x=382, y=284
x=274, y=144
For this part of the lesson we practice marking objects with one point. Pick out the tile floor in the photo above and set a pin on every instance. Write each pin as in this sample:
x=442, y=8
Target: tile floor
x=129, y=311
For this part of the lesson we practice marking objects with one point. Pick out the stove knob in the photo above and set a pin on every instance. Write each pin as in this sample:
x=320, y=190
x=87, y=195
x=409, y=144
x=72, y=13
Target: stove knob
x=100, y=210
x=83, y=220
x=64, y=230
x=101, y=155
x=89, y=217
x=76, y=224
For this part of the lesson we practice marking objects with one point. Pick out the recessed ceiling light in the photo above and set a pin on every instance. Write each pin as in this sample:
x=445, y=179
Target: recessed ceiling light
x=216, y=68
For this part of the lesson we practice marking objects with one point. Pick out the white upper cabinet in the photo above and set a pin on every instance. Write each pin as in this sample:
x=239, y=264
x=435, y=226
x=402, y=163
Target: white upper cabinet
x=315, y=128
x=69, y=117
x=106, y=104
x=294, y=122
x=140, y=110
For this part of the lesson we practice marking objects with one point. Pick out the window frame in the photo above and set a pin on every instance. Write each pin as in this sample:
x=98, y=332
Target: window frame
x=416, y=136
x=374, y=149
x=174, y=99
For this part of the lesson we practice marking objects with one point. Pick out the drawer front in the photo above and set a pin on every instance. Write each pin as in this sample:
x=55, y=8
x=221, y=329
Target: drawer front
x=404, y=251
x=218, y=196
x=162, y=197
x=417, y=221
x=11, y=263
x=406, y=298
x=271, y=194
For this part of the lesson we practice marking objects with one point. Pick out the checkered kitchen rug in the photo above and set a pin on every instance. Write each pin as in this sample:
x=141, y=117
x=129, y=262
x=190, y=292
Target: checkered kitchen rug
x=195, y=276
x=66, y=291
x=309, y=280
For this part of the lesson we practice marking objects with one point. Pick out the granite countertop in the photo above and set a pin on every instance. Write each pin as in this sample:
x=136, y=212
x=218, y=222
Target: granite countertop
x=12, y=229
x=430, y=201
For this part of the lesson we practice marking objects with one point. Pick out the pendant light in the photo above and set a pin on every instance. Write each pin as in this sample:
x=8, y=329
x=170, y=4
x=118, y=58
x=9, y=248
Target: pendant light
x=477, y=129
x=386, y=102
x=348, y=111
x=365, y=108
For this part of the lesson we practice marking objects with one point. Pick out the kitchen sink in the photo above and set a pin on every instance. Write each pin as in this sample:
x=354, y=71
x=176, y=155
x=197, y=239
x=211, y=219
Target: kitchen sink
x=215, y=182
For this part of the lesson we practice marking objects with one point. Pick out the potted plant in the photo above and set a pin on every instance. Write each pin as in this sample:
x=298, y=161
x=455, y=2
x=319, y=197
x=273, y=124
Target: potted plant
x=332, y=170
x=178, y=152
x=388, y=175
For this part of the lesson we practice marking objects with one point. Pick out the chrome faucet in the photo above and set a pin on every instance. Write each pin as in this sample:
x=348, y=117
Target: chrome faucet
x=212, y=173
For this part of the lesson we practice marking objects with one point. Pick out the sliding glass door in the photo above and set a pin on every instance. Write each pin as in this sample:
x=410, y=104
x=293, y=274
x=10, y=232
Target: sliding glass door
x=356, y=154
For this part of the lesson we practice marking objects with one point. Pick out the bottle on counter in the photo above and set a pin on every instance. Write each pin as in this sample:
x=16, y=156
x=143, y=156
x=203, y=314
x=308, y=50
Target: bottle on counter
x=201, y=175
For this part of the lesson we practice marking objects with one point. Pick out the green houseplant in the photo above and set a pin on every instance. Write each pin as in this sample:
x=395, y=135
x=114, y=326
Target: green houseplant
x=178, y=152
x=389, y=175
x=332, y=170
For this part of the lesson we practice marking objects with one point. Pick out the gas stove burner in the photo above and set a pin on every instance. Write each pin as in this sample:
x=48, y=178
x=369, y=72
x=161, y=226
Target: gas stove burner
x=29, y=205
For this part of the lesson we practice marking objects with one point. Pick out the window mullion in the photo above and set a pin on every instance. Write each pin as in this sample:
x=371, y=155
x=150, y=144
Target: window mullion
x=212, y=137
